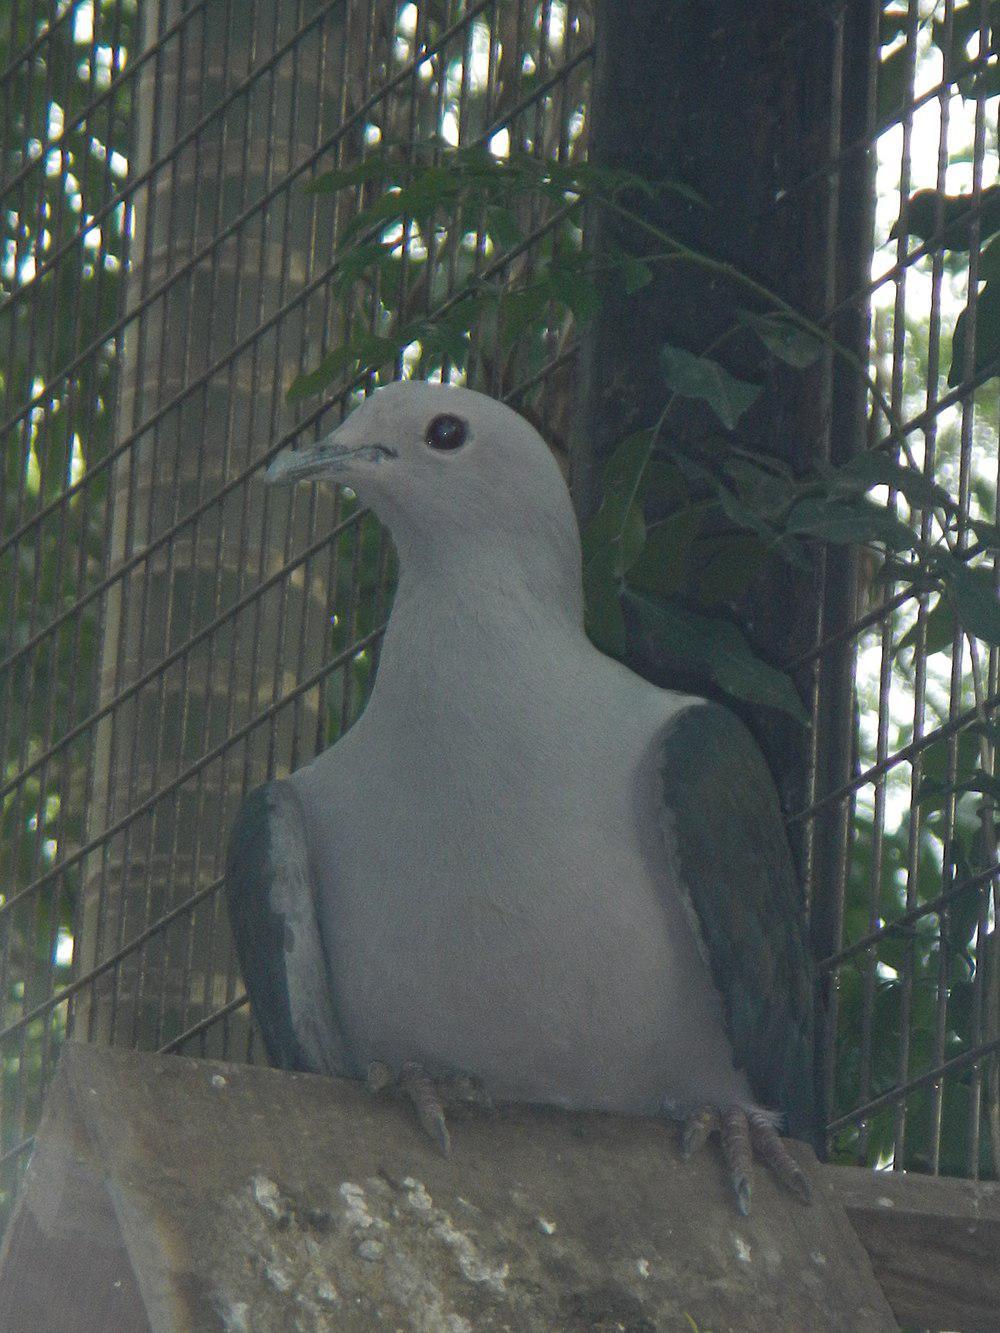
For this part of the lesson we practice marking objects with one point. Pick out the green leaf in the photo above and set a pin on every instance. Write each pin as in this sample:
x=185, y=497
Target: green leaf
x=365, y=351
x=892, y=25
x=986, y=342
x=987, y=534
x=783, y=337
x=433, y=188
x=718, y=649
x=325, y=373
x=617, y=535
x=635, y=272
x=951, y=37
x=369, y=258
x=617, y=532
x=940, y=625
x=445, y=340
x=662, y=566
x=585, y=177
x=624, y=470
x=892, y=86
x=518, y=310
x=846, y=522
x=727, y=565
x=938, y=793
x=989, y=261
x=974, y=597
x=963, y=917
x=504, y=226
x=664, y=485
x=602, y=600
x=767, y=490
x=376, y=167
x=946, y=220
x=571, y=285
x=873, y=468
x=744, y=515
x=699, y=377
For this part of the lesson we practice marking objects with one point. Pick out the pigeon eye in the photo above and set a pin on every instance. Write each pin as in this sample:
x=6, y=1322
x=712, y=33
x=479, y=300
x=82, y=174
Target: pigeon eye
x=446, y=432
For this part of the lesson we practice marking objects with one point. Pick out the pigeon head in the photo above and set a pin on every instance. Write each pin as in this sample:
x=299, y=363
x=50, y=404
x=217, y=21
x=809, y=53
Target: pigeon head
x=452, y=473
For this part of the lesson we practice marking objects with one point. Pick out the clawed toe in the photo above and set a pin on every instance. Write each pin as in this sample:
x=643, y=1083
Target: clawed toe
x=770, y=1148
x=698, y=1128
x=429, y=1098
x=427, y=1104
x=744, y=1132
x=736, y=1148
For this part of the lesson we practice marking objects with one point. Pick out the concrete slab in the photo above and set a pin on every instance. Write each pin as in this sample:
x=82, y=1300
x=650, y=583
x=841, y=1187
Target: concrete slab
x=173, y=1195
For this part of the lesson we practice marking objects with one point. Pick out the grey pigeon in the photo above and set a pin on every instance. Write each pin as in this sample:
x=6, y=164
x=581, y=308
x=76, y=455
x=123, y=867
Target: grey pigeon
x=524, y=865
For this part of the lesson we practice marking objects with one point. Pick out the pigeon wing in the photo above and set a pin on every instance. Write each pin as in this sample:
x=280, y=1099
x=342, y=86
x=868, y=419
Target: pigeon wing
x=270, y=892
x=723, y=828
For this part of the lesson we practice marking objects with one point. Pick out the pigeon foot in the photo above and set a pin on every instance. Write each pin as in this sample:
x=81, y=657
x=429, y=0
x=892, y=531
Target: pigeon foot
x=744, y=1132
x=429, y=1098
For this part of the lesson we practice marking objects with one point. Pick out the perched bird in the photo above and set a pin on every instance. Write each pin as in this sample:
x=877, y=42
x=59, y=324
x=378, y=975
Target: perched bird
x=524, y=865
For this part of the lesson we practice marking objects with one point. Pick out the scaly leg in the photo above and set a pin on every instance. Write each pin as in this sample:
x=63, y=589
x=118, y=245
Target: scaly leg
x=744, y=1131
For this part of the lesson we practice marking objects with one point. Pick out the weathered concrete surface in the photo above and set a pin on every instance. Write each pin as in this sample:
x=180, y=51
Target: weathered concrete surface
x=228, y=1197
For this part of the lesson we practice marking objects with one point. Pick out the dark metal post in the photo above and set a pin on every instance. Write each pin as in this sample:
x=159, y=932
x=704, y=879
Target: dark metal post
x=765, y=111
x=741, y=103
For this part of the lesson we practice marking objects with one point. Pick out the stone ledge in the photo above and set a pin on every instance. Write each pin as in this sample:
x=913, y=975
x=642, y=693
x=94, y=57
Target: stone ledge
x=181, y=1195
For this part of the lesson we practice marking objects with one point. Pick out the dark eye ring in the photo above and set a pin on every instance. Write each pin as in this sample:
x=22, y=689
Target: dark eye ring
x=446, y=432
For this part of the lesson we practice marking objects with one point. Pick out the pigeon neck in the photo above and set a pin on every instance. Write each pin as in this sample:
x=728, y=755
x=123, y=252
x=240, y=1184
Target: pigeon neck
x=483, y=604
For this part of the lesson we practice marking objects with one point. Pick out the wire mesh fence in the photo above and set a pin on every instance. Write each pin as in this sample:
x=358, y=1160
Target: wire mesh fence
x=915, y=1007
x=174, y=634
x=170, y=639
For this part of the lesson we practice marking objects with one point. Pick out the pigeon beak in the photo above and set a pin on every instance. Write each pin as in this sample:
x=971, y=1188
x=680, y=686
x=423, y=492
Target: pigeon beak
x=328, y=458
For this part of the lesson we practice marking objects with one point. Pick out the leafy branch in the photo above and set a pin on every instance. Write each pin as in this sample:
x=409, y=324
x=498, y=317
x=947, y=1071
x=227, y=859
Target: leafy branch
x=441, y=254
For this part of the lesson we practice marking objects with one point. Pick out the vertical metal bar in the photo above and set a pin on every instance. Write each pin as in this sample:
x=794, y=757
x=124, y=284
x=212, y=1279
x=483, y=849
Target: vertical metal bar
x=920, y=652
x=987, y=840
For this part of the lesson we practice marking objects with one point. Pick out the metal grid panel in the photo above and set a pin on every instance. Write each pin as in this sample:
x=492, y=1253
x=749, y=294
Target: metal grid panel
x=166, y=275
x=913, y=1011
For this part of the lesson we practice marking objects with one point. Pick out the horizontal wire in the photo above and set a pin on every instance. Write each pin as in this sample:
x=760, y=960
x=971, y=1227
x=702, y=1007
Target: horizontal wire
x=559, y=75
x=135, y=182
x=200, y=382
x=129, y=71
x=865, y=142
x=40, y=38
x=193, y=769
x=248, y=599
x=900, y=756
x=247, y=341
x=106, y=964
x=868, y=621
x=953, y=399
x=41, y=398
x=129, y=440
x=203, y=1024
x=953, y=1066
x=931, y=908
x=182, y=650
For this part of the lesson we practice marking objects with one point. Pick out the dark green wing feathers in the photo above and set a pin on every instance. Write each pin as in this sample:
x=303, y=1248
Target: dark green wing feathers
x=723, y=818
x=270, y=894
